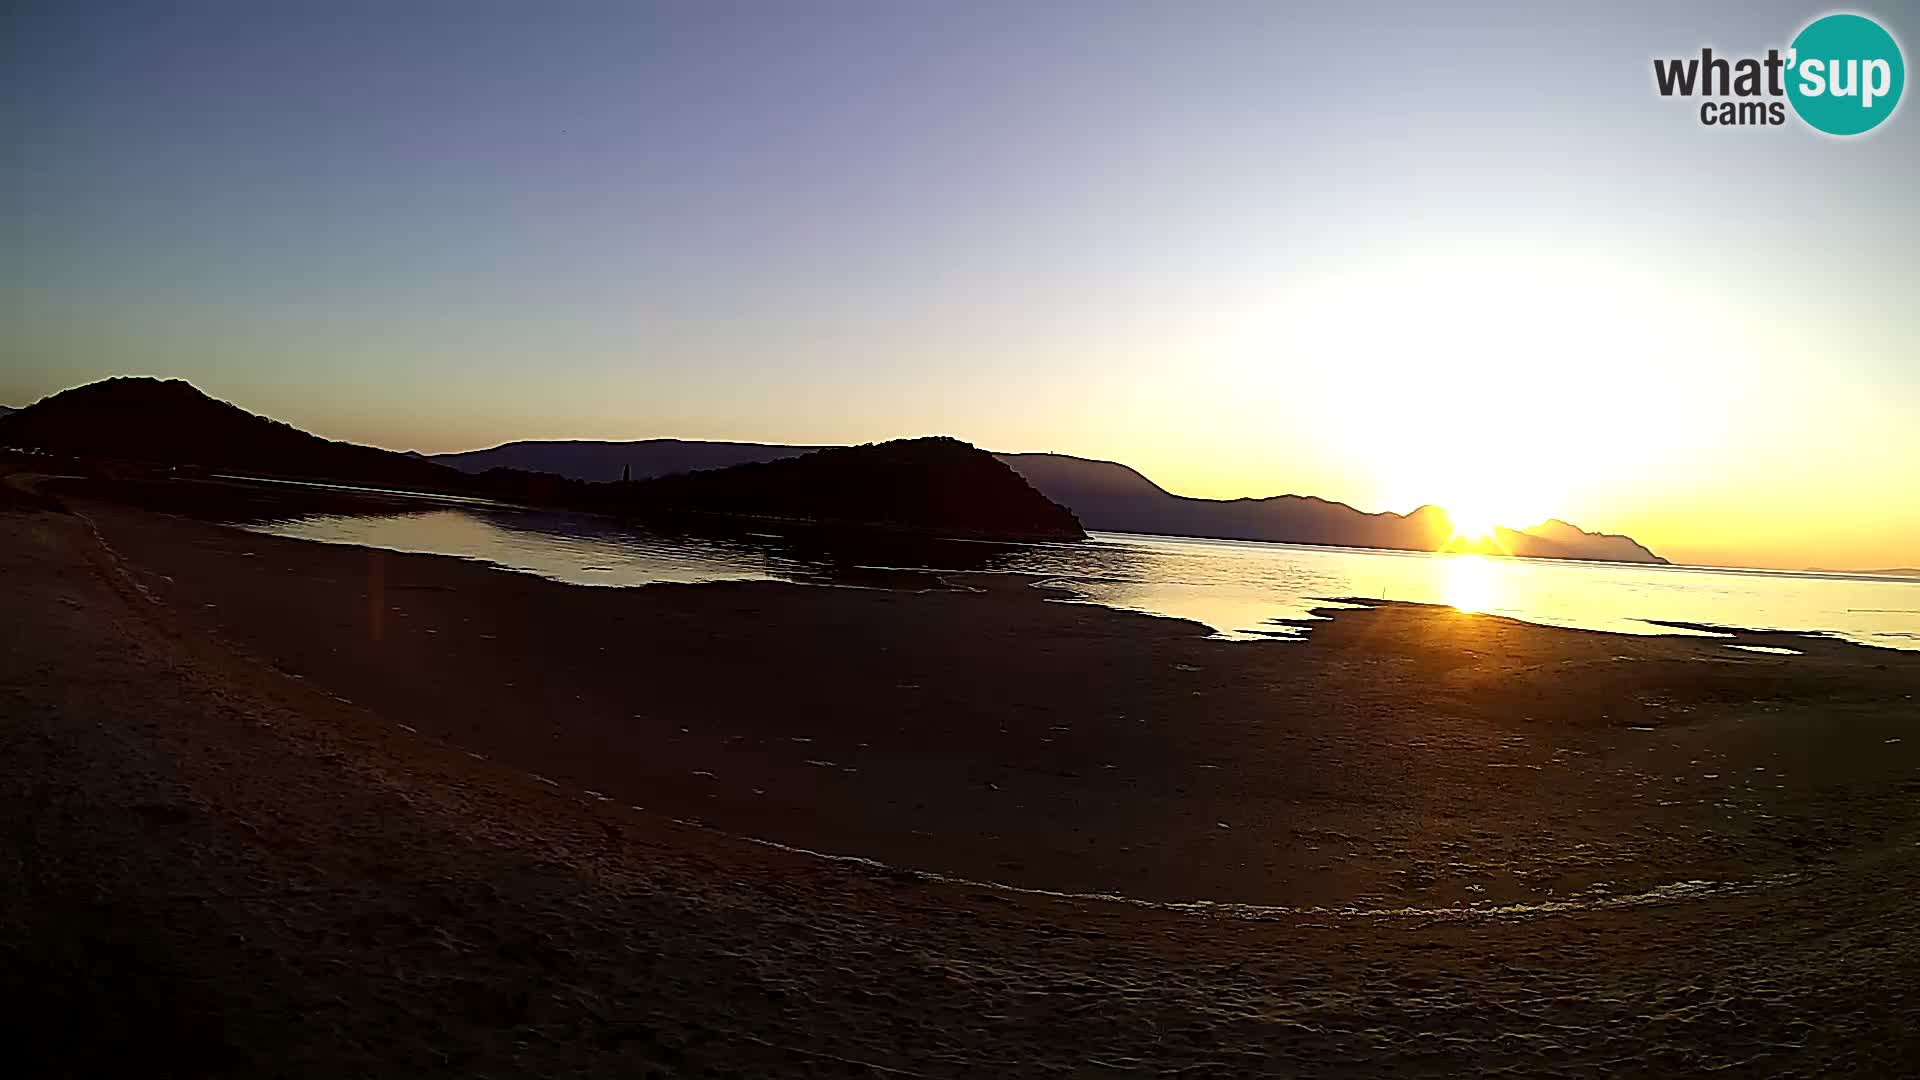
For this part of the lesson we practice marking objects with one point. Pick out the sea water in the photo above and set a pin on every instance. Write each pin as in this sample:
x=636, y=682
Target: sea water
x=1238, y=589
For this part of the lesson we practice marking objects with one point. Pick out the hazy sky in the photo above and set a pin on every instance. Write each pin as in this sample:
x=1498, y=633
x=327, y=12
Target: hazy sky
x=1387, y=254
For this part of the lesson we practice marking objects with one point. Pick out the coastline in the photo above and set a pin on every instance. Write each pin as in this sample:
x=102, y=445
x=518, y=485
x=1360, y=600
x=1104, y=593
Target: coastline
x=181, y=683
x=1115, y=752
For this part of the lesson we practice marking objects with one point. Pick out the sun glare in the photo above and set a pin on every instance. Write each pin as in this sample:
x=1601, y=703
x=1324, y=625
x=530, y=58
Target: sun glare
x=1479, y=502
x=1469, y=583
x=1471, y=522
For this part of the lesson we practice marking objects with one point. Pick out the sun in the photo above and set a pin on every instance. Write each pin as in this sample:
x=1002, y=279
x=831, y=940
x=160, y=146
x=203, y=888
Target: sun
x=1471, y=520
x=1480, y=503
x=1481, y=495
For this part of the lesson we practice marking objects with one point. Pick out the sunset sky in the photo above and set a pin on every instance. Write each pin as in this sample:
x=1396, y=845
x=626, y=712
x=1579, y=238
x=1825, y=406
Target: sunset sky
x=1389, y=255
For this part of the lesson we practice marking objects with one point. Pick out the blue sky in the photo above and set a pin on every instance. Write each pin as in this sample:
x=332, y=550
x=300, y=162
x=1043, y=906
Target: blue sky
x=1387, y=253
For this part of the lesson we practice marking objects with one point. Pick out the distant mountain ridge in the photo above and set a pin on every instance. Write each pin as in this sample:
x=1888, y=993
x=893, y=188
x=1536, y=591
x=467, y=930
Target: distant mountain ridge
x=1107, y=495
x=932, y=484
x=643, y=459
x=1604, y=547
x=935, y=485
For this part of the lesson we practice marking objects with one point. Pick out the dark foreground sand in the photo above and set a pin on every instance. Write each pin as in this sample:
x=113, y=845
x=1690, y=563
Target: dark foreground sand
x=269, y=807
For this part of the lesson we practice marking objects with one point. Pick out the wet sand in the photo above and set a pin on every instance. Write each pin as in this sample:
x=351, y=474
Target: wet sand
x=323, y=810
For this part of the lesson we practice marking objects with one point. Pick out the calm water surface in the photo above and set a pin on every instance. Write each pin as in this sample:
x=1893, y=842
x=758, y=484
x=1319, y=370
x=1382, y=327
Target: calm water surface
x=1240, y=589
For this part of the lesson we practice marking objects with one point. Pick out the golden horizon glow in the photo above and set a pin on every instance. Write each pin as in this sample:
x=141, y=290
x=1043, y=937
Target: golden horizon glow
x=1706, y=438
x=1471, y=523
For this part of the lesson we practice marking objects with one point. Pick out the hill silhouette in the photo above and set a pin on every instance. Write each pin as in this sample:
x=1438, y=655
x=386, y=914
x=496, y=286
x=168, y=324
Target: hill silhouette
x=642, y=459
x=171, y=422
x=1556, y=539
x=936, y=484
x=933, y=484
x=1108, y=495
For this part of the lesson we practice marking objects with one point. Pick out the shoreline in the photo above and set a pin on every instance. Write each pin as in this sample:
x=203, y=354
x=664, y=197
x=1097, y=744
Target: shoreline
x=252, y=506
x=1677, y=890
x=863, y=731
x=296, y=883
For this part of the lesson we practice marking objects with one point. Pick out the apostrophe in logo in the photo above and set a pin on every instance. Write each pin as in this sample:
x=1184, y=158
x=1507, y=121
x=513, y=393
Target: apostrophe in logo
x=1842, y=74
x=1846, y=74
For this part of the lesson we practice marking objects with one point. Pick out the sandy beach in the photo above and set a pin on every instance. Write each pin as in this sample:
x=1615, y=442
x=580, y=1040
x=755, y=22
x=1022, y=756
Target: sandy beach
x=284, y=807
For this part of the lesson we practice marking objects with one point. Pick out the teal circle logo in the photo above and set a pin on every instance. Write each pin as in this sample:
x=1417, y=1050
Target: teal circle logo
x=1845, y=74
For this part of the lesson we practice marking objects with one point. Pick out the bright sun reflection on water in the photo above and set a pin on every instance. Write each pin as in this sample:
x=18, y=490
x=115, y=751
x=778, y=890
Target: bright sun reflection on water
x=1238, y=589
x=1470, y=583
